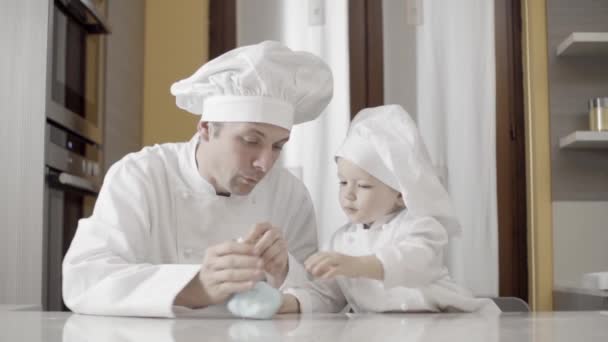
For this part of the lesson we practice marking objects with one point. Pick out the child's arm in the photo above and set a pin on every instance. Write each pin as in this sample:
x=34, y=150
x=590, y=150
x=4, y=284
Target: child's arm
x=414, y=258
x=325, y=265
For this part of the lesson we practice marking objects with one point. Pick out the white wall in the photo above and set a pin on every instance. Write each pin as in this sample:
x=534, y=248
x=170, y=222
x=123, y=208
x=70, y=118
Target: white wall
x=258, y=20
x=399, y=57
x=124, y=80
x=580, y=240
x=23, y=47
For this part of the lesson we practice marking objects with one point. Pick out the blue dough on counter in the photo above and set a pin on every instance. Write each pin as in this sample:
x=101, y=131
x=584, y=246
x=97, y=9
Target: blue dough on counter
x=261, y=302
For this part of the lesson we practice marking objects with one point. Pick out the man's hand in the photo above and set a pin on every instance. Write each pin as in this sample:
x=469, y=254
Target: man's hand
x=327, y=265
x=269, y=244
x=227, y=268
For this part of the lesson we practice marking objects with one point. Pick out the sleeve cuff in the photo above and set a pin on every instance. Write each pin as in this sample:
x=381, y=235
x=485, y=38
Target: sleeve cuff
x=390, y=263
x=410, y=268
x=185, y=273
x=137, y=290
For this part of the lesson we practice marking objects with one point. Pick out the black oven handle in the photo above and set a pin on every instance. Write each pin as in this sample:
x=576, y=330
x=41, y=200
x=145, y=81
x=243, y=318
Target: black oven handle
x=72, y=181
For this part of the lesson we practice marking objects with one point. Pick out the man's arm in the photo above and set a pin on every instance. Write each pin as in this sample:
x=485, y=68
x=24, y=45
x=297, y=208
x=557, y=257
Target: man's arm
x=107, y=270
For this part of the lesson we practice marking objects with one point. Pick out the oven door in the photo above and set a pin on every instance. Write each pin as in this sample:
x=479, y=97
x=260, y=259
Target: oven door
x=68, y=199
x=77, y=67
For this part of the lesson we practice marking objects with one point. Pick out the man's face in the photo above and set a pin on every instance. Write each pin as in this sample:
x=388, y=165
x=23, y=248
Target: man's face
x=363, y=197
x=240, y=154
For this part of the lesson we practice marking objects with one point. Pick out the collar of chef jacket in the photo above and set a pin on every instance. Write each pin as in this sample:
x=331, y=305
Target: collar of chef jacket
x=381, y=222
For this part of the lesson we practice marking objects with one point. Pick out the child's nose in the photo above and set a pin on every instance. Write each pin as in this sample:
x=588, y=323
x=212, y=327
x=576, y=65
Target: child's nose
x=350, y=195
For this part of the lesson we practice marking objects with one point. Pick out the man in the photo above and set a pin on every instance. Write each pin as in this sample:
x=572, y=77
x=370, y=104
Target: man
x=163, y=234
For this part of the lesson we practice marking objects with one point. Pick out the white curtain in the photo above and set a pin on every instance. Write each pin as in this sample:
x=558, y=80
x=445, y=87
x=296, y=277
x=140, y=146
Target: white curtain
x=456, y=113
x=309, y=153
x=453, y=101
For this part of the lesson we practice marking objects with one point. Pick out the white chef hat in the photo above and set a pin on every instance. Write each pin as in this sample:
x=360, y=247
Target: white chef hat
x=266, y=82
x=385, y=142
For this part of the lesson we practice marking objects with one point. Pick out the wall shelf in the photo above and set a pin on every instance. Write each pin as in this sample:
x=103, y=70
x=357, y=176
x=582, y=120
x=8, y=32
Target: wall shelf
x=584, y=44
x=585, y=139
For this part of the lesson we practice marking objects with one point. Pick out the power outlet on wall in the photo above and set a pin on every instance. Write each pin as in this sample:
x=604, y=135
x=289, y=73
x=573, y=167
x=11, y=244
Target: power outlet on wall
x=414, y=12
x=316, y=12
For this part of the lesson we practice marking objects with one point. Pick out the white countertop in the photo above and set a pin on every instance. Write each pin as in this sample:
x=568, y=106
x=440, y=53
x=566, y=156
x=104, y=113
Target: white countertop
x=34, y=326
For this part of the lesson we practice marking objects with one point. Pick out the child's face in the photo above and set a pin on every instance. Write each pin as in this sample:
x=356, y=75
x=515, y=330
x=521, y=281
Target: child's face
x=363, y=197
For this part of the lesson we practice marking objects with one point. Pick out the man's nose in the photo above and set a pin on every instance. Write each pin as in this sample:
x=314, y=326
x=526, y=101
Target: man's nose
x=264, y=160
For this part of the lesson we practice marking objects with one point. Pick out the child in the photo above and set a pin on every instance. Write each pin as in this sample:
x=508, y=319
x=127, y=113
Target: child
x=389, y=258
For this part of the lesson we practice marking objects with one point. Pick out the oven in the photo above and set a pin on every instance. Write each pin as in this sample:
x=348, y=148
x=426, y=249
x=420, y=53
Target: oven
x=73, y=132
x=72, y=181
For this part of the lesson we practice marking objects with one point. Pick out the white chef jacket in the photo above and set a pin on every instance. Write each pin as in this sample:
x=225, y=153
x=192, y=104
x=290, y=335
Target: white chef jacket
x=155, y=216
x=411, y=250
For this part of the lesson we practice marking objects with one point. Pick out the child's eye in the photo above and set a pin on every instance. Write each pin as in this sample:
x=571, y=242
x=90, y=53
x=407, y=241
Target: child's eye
x=342, y=183
x=365, y=186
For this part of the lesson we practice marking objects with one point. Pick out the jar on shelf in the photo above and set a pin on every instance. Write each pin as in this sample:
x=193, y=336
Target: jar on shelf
x=598, y=114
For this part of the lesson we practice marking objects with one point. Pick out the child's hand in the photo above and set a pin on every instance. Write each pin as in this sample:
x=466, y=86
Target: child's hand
x=326, y=265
